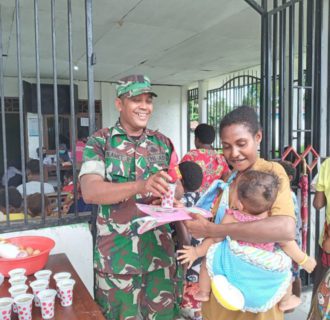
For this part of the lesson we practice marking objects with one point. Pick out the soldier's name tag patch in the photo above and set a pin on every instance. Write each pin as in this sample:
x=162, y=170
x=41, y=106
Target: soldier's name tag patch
x=118, y=156
x=158, y=158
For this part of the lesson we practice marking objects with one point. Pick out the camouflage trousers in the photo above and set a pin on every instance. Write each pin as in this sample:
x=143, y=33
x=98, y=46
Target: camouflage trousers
x=155, y=295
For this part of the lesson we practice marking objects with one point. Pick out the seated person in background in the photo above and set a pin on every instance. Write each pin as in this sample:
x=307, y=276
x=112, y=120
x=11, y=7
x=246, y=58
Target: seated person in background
x=15, y=205
x=64, y=157
x=34, y=204
x=14, y=175
x=33, y=176
x=69, y=204
x=80, y=146
x=45, y=159
x=68, y=181
x=255, y=195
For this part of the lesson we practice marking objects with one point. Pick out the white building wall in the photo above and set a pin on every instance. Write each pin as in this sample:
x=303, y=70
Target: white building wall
x=167, y=115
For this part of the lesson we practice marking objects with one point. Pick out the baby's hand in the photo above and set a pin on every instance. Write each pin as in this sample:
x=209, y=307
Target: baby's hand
x=188, y=255
x=309, y=265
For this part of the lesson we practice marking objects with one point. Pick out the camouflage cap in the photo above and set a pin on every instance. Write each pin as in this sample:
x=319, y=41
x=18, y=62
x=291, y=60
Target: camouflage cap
x=134, y=85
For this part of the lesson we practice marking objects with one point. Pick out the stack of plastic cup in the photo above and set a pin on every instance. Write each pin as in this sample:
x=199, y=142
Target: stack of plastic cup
x=66, y=291
x=59, y=277
x=17, y=272
x=38, y=286
x=43, y=274
x=168, y=197
x=24, y=306
x=16, y=291
x=17, y=280
x=47, y=301
x=5, y=308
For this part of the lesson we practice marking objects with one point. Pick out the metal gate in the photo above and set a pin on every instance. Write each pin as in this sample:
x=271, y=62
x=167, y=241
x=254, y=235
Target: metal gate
x=56, y=33
x=290, y=113
x=240, y=90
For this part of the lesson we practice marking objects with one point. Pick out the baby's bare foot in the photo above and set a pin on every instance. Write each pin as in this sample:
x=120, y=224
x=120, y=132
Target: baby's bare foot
x=291, y=303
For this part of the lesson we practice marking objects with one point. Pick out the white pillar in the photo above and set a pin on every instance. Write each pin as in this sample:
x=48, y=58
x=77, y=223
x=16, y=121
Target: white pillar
x=184, y=118
x=202, y=101
x=324, y=77
x=108, y=95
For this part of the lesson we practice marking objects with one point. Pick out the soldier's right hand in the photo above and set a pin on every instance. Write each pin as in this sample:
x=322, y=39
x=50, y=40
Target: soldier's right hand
x=157, y=184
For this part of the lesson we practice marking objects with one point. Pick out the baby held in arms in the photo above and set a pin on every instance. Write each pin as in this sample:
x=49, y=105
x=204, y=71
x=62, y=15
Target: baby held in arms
x=255, y=194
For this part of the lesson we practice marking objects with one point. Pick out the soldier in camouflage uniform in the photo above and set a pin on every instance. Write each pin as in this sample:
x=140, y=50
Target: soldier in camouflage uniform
x=136, y=275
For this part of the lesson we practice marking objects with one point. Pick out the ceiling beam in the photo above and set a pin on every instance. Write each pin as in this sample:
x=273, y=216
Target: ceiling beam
x=256, y=6
x=283, y=6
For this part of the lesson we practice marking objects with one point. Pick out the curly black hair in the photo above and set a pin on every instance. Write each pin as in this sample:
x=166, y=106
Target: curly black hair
x=205, y=133
x=192, y=175
x=244, y=115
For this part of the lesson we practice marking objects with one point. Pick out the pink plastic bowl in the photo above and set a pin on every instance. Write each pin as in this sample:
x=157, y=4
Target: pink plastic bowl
x=32, y=264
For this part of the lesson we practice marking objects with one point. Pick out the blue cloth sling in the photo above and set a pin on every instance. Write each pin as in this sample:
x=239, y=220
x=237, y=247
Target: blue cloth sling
x=262, y=288
x=208, y=197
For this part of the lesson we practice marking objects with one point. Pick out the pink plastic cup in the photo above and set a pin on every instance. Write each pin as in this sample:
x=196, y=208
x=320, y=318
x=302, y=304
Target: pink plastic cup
x=24, y=306
x=16, y=291
x=168, y=198
x=38, y=286
x=5, y=308
x=47, y=301
x=66, y=291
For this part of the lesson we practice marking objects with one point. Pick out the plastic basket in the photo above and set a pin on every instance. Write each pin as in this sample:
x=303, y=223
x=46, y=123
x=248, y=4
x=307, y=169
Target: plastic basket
x=32, y=264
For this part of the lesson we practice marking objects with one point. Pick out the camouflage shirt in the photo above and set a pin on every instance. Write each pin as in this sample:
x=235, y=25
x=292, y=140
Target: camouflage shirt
x=119, y=158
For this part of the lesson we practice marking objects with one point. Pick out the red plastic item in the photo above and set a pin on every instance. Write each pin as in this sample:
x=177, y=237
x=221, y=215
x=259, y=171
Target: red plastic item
x=291, y=151
x=175, y=173
x=32, y=264
x=311, y=150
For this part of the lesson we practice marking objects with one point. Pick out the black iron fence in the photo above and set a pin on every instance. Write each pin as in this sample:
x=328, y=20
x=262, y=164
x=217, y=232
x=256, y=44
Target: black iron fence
x=15, y=139
x=237, y=91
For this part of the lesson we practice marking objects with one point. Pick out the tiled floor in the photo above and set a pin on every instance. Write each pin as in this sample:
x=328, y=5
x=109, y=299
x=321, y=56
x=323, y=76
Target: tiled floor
x=302, y=311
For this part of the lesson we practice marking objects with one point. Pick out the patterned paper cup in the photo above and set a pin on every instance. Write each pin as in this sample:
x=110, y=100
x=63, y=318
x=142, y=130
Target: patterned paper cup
x=17, y=272
x=47, y=300
x=168, y=198
x=38, y=286
x=5, y=308
x=16, y=291
x=24, y=306
x=17, y=280
x=66, y=291
x=43, y=274
x=59, y=277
